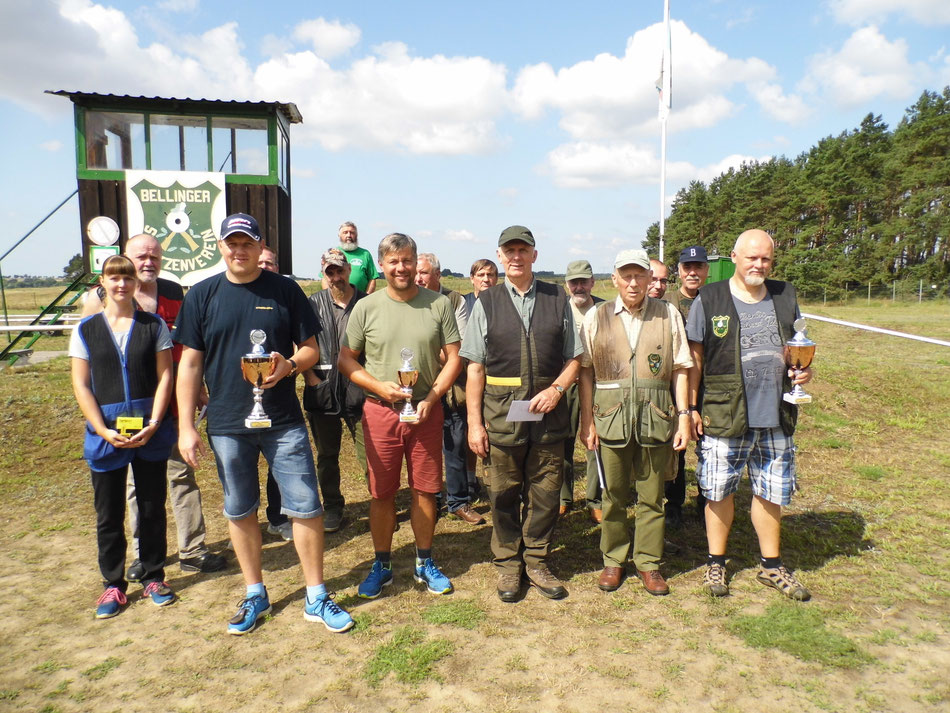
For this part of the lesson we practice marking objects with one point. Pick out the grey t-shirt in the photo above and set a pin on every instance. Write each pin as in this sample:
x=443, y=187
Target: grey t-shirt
x=761, y=354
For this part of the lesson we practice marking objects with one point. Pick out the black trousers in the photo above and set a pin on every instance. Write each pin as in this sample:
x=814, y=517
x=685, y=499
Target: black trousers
x=109, y=497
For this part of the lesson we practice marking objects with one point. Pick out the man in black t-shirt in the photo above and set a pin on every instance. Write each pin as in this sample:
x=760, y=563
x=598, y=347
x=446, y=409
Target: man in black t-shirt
x=213, y=327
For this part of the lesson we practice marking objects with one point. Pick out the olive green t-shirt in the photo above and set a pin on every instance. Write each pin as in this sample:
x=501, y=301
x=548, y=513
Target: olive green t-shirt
x=381, y=327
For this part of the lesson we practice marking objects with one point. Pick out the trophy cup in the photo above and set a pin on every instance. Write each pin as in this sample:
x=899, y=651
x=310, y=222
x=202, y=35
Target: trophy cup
x=257, y=366
x=799, y=352
x=407, y=377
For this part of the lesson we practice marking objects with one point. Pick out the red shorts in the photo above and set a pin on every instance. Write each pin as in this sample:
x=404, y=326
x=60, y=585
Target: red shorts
x=388, y=441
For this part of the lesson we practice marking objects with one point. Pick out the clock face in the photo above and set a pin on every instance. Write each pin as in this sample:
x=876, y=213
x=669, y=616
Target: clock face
x=102, y=230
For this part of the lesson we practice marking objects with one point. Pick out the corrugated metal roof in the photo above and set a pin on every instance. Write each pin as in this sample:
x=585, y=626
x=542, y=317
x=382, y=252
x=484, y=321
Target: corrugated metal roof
x=288, y=109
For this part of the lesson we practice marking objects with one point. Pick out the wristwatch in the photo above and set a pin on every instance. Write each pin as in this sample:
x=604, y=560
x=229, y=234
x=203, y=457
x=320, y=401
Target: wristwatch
x=558, y=388
x=293, y=368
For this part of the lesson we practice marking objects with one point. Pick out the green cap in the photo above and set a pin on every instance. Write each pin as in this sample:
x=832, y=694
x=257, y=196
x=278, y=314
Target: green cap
x=578, y=270
x=516, y=232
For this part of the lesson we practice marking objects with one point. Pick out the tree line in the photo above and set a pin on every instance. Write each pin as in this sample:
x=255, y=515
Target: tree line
x=870, y=205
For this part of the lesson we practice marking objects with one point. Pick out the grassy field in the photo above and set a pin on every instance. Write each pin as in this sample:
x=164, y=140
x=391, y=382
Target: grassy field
x=868, y=533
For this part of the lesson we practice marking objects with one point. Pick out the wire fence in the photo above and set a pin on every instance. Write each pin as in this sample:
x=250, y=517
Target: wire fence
x=898, y=291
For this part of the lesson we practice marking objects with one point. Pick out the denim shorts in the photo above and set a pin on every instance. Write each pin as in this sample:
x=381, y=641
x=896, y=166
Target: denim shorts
x=290, y=457
x=769, y=455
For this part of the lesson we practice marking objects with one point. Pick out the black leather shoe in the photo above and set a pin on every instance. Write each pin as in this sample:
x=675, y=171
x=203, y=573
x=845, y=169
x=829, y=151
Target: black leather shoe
x=207, y=562
x=136, y=571
x=332, y=520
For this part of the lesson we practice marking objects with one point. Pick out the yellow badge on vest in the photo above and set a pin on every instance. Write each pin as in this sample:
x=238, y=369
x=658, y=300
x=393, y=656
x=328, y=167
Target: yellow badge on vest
x=720, y=326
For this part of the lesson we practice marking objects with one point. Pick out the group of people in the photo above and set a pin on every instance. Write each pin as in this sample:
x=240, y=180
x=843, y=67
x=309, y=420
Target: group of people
x=510, y=374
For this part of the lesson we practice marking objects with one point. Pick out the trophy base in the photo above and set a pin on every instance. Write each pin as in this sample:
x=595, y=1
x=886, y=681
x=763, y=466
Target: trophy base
x=257, y=423
x=409, y=418
x=797, y=399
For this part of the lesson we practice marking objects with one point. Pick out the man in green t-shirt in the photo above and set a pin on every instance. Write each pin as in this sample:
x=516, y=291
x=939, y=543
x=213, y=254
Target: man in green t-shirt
x=382, y=326
x=363, y=272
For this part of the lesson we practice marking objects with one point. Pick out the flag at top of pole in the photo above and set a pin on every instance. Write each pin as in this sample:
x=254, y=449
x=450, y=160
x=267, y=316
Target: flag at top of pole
x=664, y=84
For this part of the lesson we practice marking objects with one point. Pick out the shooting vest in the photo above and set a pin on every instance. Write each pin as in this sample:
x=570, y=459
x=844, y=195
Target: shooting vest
x=632, y=386
x=521, y=362
x=722, y=397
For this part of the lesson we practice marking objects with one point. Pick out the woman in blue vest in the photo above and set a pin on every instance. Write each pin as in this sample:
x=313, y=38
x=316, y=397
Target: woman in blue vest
x=122, y=378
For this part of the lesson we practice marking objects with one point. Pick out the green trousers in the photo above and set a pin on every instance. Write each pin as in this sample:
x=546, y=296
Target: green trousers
x=524, y=484
x=645, y=469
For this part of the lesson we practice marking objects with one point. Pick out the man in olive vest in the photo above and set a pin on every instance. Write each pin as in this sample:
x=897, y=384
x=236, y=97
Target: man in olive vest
x=634, y=349
x=522, y=350
x=737, y=330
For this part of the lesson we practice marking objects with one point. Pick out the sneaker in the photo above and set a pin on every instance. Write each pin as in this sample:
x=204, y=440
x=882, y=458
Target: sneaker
x=431, y=576
x=205, y=562
x=250, y=609
x=378, y=577
x=286, y=531
x=161, y=594
x=110, y=602
x=332, y=520
x=714, y=581
x=327, y=611
x=784, y=581
x=136, y=571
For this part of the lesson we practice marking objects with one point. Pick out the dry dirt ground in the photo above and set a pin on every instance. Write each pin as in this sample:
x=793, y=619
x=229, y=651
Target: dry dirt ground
x=873, y=551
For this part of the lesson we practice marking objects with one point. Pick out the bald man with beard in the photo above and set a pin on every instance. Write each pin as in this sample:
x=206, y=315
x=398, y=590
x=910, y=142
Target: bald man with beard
x=164, y=297
x=737, y=330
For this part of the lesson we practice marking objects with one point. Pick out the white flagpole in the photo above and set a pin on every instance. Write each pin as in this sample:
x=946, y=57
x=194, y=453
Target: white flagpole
x=665, y=87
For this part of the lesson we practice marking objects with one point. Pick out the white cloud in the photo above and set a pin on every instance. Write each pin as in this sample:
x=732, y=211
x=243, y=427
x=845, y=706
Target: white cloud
x=51, y=146
x=329, y=39
x=602, y=164
x=866, y=66
x=387, y=99
x=612, y=97
x=790, y=108
x=302, y=172
x=858, y=12
x=459, y=236
x=178, y=5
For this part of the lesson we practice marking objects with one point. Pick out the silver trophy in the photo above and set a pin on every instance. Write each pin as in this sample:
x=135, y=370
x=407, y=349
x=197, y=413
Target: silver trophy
x=407, y=376
x=799, y=352
x=257, y=366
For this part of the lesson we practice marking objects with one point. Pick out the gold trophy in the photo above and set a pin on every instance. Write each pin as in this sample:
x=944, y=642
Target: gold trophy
x=799, y=352
x=407, y=377
x=257, y=366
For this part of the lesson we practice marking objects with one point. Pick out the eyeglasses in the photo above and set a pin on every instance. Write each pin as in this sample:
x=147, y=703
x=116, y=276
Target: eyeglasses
x=662, y=281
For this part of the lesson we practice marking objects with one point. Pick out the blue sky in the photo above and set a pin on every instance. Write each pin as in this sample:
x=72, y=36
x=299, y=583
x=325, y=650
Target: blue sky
x=452, y=122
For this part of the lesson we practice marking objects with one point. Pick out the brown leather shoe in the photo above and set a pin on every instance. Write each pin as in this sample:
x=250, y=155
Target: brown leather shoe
x=509, y=587
x=653, y=582
x=549, y=585
x=597, y=515
x=611, y=579
x=469, y=515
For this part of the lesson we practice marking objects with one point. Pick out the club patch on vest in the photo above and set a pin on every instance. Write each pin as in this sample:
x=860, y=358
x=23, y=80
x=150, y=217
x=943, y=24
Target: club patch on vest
x=654, y=361
x=720, y=326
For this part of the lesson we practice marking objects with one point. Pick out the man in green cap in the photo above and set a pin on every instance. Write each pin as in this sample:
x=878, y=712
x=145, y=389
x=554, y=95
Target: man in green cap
x=579, y=283
x=634, y=348
x=521, y=345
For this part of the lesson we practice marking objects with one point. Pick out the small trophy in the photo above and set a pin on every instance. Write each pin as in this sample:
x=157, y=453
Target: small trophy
x=256, y=367
x=799, y=352
x=407, y=377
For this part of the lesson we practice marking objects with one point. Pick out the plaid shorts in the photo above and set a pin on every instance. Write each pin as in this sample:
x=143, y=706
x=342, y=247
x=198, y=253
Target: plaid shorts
x=769, y=454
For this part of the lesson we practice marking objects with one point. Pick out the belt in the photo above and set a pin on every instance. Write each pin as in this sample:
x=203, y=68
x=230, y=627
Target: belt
x=387, y=404
x=503, y=380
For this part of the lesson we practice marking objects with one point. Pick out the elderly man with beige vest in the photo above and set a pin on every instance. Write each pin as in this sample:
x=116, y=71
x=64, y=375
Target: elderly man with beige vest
x=634, y=349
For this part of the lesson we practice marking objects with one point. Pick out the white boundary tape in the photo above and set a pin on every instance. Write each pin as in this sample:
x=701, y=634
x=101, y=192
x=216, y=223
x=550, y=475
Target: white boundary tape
x=879, y=330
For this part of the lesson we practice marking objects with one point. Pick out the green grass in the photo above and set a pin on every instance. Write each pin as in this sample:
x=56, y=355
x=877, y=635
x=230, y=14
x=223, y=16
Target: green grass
x=800, y=631
x=870, y=472
x=459, y=612
x=101, y=670
x=408, y=655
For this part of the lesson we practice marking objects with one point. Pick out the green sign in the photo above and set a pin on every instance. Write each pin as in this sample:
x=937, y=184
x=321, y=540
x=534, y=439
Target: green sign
x=183, y=211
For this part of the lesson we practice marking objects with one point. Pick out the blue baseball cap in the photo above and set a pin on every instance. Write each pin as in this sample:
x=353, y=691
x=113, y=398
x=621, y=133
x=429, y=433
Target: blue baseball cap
x=240, y=223
x=694, y=253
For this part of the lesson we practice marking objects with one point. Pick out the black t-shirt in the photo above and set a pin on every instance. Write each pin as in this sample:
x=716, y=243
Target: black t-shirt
x=217, y=318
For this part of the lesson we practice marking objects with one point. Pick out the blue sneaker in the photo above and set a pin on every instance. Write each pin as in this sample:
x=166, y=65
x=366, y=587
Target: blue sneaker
x=327, y=611
x=249, y=611
x=109, y=603
x=378, y=577
x=161, y=593
x=431, y=576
